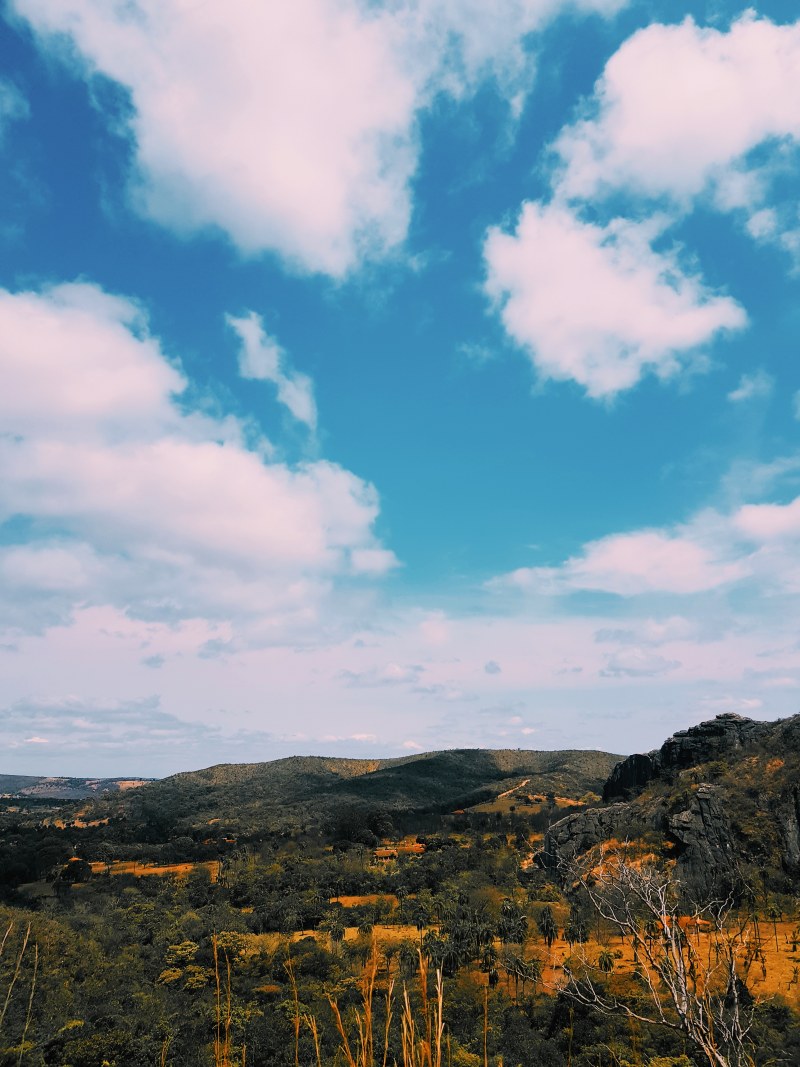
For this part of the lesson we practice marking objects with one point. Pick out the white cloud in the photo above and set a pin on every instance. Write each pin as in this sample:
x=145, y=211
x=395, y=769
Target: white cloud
x=769, y=522
x=752, y=386
x=288, y=126
x=679, y=107
x=682, y=115
x=292, y=126
x=633, y=564
x=263, y=359
x=596, y=304
x=678, y=115
x=77, y=363
x=139, y=502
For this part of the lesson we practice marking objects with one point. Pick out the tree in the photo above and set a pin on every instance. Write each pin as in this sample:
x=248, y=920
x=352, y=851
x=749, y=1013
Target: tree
x=336, y=931
x=697, y=988
x=605, y=961
x=513, y=923
x=547, y=926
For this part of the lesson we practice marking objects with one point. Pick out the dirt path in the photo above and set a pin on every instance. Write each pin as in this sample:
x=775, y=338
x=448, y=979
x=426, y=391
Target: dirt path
x=513, y=789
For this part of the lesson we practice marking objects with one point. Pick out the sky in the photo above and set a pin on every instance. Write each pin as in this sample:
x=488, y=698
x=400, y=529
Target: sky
x=383, y=376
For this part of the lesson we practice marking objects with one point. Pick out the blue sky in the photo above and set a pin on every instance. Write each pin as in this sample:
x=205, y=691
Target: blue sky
x=383, y=377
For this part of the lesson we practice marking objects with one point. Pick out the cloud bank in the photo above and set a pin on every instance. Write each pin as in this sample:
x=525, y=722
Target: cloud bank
x=129, y=498
x=292, y=128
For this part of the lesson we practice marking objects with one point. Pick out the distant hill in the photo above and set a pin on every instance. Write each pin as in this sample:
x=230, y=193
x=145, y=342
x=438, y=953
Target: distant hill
x=721, y=800
x=32, y=786
x=303, y=790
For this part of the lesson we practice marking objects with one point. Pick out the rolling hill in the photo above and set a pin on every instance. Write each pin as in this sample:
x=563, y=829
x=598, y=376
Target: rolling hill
x=304, y=790
x=49, y=788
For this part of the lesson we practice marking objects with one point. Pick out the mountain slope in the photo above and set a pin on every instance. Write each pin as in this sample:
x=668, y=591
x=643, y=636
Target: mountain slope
x=303, y=790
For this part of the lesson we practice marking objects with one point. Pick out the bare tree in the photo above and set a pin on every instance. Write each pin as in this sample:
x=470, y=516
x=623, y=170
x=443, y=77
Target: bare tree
x=691, y=969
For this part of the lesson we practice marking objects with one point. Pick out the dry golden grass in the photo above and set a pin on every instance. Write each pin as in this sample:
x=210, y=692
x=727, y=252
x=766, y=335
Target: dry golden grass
x=384, y=935
x=143, y=870
x=775, y=974
x=505, y=803
x=765, y=978
x=366, y=898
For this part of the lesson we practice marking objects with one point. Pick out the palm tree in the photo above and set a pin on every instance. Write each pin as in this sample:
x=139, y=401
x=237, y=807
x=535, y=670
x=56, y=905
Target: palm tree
x=774, y=914
x=534, y=969
x=408, y=957
x=336, y=932
x=547, y=926
x=605, y=961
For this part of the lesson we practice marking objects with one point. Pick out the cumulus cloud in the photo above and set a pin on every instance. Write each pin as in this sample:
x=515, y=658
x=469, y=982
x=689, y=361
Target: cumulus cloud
x=596, y=304
x=695, y=559
x=682, y=115
x=261, y=358
x=136, y=500
x=292, y=127
x=751, y=547
x=679, y=108
x=769, y=522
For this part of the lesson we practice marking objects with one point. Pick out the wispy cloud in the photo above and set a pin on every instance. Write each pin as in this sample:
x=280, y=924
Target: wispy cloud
x=752, y=386
x=263, y=359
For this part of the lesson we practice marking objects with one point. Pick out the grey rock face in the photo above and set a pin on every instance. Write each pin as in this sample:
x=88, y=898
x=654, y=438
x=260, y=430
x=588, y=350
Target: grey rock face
x=575, y=834
x=699, y=744
x=713, y=854
x=706, y=850
x=789, y=821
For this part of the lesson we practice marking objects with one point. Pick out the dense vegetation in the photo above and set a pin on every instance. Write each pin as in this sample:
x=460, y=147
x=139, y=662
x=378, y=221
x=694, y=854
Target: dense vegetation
x=274, y=942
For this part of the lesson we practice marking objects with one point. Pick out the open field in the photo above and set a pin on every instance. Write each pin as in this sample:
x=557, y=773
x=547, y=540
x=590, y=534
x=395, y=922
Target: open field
x=771, y=970
x=777, y=973
x=517, y=799
x=365, y=898
x=143, y=870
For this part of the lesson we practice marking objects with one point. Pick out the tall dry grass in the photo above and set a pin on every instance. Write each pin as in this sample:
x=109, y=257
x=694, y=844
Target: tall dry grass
x=14, y=980
x=365, y=1042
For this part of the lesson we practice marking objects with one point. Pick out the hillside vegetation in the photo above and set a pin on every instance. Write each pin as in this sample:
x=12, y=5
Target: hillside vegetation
x=314, y=912
x=303, y=791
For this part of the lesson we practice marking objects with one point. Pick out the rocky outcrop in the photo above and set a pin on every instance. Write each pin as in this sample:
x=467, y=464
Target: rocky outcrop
x=631, y=775
x=742, y=824
x=576, y=834
x=703, y=840
x=788, y=816
x=715, y=739
x=706, y=852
